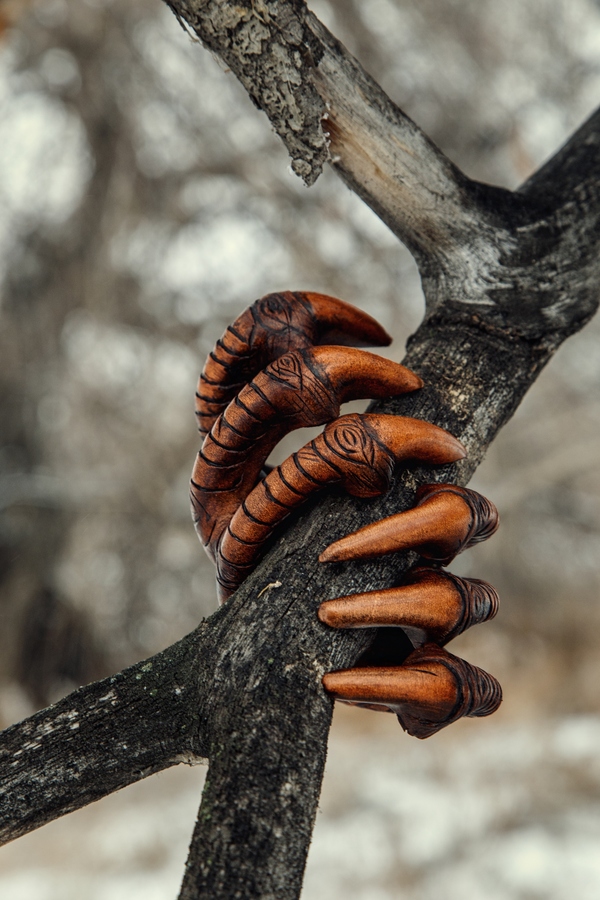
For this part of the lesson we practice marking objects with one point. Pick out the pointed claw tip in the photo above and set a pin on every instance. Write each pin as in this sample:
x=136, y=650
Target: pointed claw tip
x=461, y=450
x=334, y=683
x=330, y=554
x=323, y=614
x=454, y=448
x=409, y=380
x=334, y=614
x=382, y=338
x=346, y=319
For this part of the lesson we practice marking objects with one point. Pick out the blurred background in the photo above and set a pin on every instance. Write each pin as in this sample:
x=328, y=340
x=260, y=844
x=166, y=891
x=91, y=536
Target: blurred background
x=144, y=202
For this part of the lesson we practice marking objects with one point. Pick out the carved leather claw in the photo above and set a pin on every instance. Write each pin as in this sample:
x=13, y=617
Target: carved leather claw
x=436, y=603
x=338, y=319
x=408, y=438
x=266, y=377
x=350, y=451
x=360, y=375
x=300, y=388
x=430, y=690
x=446, y=520
x=271, y=327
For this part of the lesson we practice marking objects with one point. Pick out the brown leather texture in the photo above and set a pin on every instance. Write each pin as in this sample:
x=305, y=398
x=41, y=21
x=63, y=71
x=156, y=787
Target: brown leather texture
x=271, y=373
x=268, y=329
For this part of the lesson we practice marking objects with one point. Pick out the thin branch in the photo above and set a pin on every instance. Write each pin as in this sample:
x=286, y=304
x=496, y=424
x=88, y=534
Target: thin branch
x=573, y=173
x=310, y=86
x=564, y=239
x=386, y=159
x=267, y=45
x=474, y=243
x=101, y=738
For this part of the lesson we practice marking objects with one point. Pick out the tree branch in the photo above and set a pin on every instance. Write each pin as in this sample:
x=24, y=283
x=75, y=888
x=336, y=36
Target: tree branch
x=102, y=737
x=494, y=319
x=270, y=50
x=571, y=176
x=503, y=291
x=308, y=83
x=386, y=159
x=474, y=243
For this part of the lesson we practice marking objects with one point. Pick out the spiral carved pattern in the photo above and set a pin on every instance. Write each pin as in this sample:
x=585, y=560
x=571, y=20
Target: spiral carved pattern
x=266, y=377
x=299, y=389
x=480, y=604
x=477, y=693
x=484, y=515
x=347, y=452
x=272, y=326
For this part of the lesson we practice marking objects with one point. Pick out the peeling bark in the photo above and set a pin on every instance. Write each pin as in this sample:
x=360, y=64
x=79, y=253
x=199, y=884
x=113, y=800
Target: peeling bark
x=271, y=50
x=507, y=276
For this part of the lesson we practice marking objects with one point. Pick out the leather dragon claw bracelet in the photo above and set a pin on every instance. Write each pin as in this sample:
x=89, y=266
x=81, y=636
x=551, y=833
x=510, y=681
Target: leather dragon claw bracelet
x=270, y=374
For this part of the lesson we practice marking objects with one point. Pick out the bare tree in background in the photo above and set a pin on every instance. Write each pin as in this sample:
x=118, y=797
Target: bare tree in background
x=459, y=215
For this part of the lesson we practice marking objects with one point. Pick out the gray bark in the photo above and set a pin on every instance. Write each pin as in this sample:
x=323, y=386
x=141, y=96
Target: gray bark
x=101, y=738
x=507, y=276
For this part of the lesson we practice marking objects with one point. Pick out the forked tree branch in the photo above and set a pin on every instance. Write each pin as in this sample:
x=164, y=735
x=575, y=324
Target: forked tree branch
x=507, y=277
